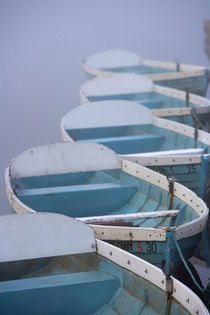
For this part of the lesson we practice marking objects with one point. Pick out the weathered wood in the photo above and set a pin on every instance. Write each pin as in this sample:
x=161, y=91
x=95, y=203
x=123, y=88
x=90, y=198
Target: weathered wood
x=133, y=216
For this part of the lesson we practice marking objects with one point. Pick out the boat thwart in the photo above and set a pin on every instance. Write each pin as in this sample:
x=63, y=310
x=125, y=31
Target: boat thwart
x=64, y=269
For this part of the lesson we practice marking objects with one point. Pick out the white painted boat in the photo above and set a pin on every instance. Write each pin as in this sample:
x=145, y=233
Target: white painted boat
x=175, y=75
x=52, y=264
x=165, y=102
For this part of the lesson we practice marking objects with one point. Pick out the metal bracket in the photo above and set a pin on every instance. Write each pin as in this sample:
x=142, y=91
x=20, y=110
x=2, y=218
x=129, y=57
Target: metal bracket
x=177, y=65
x=171, y=190
x=187, y=98
x=196, y=134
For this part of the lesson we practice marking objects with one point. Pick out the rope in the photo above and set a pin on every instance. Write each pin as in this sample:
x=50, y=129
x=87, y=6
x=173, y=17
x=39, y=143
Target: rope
x=198, y=121
x=185, y=264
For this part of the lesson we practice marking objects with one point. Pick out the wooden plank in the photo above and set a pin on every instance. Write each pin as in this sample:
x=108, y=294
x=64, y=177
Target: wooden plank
x=132, y=216
x=72, y=189
x=128, y=233
x=170, y=152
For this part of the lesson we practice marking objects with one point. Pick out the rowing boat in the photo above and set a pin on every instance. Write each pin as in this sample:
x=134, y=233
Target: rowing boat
x=175, y=75
x=128, y=205
x=52, y=264
x=165, y=102
x=127, y=128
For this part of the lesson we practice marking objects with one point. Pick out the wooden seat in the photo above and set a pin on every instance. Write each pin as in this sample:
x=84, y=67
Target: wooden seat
x=152, y=104
x=79, y=200
x=131, y=143
x=58, y=293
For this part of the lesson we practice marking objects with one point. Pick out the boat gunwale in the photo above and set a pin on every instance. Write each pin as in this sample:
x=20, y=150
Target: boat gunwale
x=182, y=231
x=186, y=70
x=153, y=274
x=164, y=123
x=166, y=160
x=182, y=129
x=146, y=271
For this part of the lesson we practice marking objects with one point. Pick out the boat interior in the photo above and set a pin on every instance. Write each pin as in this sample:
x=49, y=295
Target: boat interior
x=152, y=100
x=139, y=69
x=78, y=284
x=98, y=193
x=135, y=138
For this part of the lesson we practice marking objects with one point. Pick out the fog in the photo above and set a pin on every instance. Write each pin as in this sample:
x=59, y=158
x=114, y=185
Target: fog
x=43, y=43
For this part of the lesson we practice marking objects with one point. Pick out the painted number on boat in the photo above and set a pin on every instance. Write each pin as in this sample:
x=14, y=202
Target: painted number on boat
x=151, y=247
x=191, y=169
x=141, y=247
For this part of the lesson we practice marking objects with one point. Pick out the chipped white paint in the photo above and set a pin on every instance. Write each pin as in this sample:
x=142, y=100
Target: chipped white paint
x=123, y=233
x=130, y=216
x=21, y=236
x=132, y=263
x=163, y=160
x=152, y=274
x=116, y=84
x=181, y=95
x=170, y=112
x=61, y=158
x=182, y=129
x=188, y=298
x=106, y=114
x=15, y=202
x=172, y=153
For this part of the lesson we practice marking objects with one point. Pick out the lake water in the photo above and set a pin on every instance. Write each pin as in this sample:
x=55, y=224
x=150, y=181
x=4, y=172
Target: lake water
x=43, y=43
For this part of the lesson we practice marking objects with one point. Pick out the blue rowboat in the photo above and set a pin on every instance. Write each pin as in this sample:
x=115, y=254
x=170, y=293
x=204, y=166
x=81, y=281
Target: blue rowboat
x=52, y=264
x=175, y=75
x=164, y=102
x=128, y=205
x=128, y=128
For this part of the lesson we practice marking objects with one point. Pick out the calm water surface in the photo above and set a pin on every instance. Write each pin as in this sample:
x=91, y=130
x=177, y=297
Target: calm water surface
x=43, y=42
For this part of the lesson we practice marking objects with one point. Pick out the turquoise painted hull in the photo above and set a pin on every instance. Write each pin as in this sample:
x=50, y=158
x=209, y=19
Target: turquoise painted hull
x=108, y=192
x=78, y=284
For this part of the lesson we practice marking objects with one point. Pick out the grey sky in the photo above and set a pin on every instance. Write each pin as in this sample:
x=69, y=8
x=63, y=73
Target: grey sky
x=43, y=42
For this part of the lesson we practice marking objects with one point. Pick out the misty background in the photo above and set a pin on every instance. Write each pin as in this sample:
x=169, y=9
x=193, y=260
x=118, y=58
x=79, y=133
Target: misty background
x=42, y=43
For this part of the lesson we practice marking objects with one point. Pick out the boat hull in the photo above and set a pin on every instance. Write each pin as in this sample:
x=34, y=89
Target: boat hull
x=155, y=251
